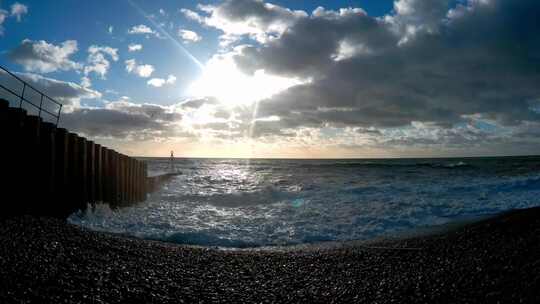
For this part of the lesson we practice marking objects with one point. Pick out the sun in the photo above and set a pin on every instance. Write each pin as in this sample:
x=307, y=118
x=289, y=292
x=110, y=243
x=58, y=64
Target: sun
x=222, y=79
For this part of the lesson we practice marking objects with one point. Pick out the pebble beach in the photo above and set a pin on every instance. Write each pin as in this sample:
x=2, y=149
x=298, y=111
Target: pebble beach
x=494, y=261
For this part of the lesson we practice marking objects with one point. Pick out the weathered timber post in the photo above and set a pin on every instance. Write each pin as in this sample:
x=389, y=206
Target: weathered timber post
x=48, y=166
x=121, y=179
x=145, y=180
x=106, y=171
x=73, y=175
x=91, y=171
x=113, y=178
x=139, y=177
x=132, y=180
x=30, y=164
x=61, y=172
x=98, y=172
x=83, y=175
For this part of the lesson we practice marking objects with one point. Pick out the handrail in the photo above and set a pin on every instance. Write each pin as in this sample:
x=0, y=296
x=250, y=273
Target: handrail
x=42, y=96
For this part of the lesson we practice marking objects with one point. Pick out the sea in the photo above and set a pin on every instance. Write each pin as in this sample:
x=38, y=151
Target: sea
x=243, y=203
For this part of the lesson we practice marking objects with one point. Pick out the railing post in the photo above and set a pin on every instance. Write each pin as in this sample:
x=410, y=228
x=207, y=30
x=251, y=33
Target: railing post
x=22, y=95
x=40, y=105
x=58, y=117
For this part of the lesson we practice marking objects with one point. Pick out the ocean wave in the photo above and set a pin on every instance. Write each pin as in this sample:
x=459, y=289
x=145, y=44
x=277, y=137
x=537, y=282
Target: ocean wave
x=235, y=206
x=383, y=165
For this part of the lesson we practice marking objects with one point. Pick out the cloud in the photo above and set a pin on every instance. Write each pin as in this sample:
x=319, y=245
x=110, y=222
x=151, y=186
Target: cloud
x=3, y=16
x=261, y=21
x=86, y=82
x=477, y=59
x=416, y=16
x=41, y=56
x=189, y=36
x=197, y=103
x=192, y=15
x=159, y=82
x=65, y=92
x=97, y=62
x=123, y=119
x=18, y=10
x=142, y=70
x=134, y=47
x=142, y=29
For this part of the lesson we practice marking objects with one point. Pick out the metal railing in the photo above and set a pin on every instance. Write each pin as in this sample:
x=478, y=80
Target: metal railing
x=42, y=97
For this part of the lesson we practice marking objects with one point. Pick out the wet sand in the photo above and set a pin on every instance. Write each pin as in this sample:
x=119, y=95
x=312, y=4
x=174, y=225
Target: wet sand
x=494, y=260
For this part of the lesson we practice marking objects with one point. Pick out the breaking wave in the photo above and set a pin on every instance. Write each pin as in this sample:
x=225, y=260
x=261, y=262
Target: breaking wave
x=239, y=203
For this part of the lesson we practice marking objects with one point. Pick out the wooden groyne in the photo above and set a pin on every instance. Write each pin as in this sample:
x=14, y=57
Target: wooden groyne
x=51, y=171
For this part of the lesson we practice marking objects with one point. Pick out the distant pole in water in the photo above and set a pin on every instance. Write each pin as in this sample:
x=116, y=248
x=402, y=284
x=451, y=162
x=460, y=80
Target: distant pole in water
x=171, y=162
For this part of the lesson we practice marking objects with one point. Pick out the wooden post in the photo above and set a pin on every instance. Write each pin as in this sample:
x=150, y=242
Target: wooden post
x=61, y=171
x=29, y=164
x=139, y=182
x=113, y=178
x=91, y=171
x=73, y=175
x=47, y=162
x=83, y=175
x=120, y=179
x=131, y=180
x=128, y=180
x=106, y=171
x=123, y=179
x=98, y=172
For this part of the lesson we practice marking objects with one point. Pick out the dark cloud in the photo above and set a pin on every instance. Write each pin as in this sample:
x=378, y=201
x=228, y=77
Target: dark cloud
x=122, y=120
x=479, y=59
x=65, y=92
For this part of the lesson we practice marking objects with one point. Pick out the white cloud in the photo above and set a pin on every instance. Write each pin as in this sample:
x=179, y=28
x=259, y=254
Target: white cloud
x=159, y=82
x=110, y=29
x=259, y=20
x=97, y=63
x=142, y=70
x=192, y=15
x=134, y=47
x=3, y=16
x=41, y=56
x=171, y=79
x=141, y=29
x=162, y=12
x=156, y=82
x=86, y=82
x=416, y=16
x=189, y=36
x=18, y=10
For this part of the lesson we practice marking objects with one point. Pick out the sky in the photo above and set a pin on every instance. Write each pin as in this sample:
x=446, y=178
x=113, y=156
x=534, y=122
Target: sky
x=290, y=79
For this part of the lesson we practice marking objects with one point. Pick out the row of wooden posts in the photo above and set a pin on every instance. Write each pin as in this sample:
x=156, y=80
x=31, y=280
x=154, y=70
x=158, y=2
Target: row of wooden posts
x=54, y=172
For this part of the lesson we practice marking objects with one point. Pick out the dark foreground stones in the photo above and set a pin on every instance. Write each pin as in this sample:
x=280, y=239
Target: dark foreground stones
x=45, y=260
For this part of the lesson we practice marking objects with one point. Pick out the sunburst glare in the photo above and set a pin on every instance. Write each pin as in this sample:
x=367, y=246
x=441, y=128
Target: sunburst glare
x=222, y=79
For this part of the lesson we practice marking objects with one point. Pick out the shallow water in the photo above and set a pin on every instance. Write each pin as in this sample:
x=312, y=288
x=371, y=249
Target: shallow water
x=246, y=203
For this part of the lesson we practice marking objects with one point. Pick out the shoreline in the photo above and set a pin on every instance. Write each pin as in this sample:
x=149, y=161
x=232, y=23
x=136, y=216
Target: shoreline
x=495, y=259
x=424, y=231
